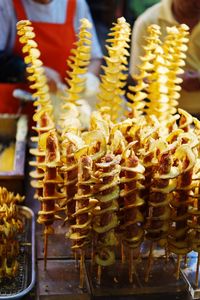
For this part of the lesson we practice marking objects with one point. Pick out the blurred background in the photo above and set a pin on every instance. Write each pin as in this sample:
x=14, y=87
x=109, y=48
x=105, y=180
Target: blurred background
x=105, y=12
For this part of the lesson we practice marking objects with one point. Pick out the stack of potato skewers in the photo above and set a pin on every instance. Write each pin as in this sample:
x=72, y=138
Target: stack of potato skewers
x=130, y=174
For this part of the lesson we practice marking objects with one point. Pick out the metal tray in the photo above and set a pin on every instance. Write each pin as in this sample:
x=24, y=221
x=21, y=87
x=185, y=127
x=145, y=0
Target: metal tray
x=14, y=128
x=189, y=273
x=17, y=287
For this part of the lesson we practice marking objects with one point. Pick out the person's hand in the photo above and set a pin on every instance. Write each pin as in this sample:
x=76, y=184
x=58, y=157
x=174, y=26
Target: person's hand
x=91, y=84
x=191, y=81
x=54, y=79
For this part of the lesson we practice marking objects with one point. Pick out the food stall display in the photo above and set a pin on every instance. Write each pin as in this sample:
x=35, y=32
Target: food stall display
x=131, y=180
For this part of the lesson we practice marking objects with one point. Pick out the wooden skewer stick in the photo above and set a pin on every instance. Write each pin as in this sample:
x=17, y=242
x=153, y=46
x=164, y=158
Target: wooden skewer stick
x=92, y=252
x=178, y=267
x=131, y=266
x=197, y=271
x=123, y=258
x=99, y=275
x=92, y=255
x=150, y=261
x=82, y=259
x=45, y=247
x=76, y=258
x=166, y=253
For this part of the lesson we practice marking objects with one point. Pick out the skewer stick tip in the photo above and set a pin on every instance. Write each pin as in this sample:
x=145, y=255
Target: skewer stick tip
x=99, y=275
x=76, y=258
x=167, y=253
x=131, y=266
x=45, y=247
x=178, y=267
x=149, y=264
x=123, y=258
x=82, y=259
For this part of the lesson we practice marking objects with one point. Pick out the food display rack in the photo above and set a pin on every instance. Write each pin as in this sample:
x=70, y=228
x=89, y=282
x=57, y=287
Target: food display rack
x=61, y=279
x=115, y=280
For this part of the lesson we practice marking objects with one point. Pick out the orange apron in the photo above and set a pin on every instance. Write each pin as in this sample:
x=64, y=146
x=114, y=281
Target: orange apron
x=54, y=41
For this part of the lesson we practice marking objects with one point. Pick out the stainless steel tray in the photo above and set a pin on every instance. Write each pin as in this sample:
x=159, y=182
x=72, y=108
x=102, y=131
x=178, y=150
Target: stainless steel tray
x=189, y=273
x=17, y=287
x=14, y=128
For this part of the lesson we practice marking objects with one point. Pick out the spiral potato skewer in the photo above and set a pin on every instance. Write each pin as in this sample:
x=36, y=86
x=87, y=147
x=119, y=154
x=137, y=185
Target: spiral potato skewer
x=78, y=62
x=50, y=197
x=106, y=191
x=44, y=125
x=43, y=114
x=82, y=230
x=188, y=138
x=178, y=239
x=132, y=231
x=138, y=92
x=113, y=80
x=174, y=47
x=162, y=186
x=35, y=65
x=69, y=170
x=149, y=162
x=70, y=145
x=157, y=89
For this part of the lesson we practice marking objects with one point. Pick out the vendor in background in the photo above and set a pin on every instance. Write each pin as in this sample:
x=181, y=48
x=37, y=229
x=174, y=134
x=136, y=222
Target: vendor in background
x=170, y=13
x=55, y=23
x=137, y=7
